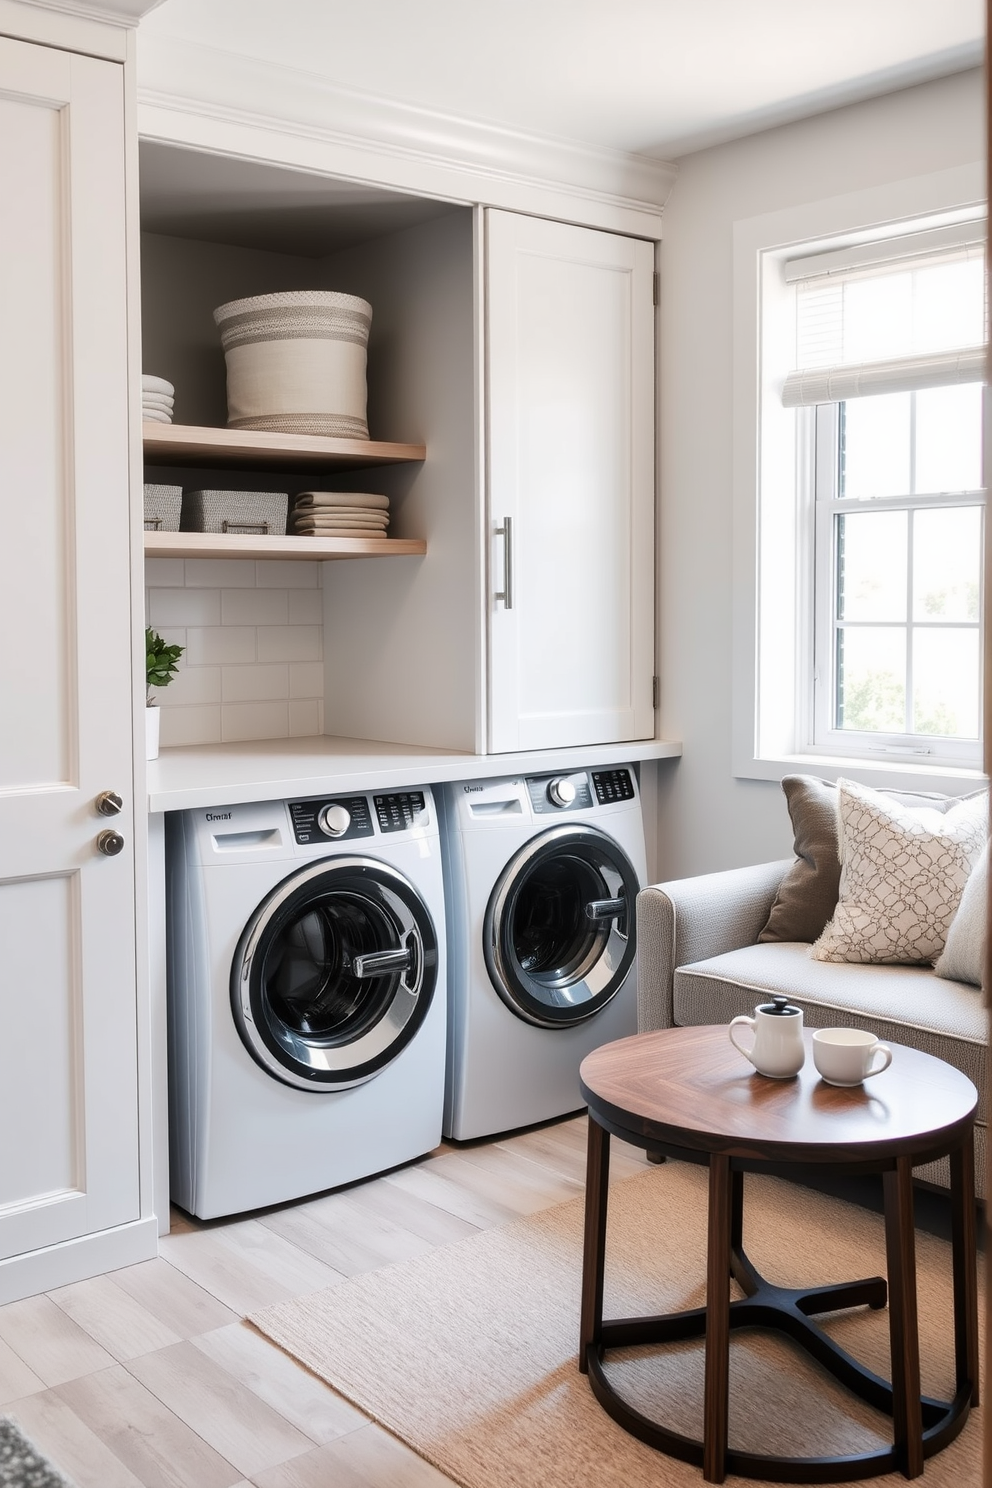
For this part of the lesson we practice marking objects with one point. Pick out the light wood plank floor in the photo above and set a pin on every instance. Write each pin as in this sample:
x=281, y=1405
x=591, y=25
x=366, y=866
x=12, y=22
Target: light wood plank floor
x=150, y=1378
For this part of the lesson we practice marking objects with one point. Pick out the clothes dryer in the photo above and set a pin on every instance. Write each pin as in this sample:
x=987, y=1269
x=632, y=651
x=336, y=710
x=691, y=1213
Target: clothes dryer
x=542, y=873
x=306, y=995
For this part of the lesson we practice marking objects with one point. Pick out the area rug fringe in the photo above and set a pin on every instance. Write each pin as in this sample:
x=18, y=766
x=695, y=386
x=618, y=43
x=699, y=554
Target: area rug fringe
x=468, y=1353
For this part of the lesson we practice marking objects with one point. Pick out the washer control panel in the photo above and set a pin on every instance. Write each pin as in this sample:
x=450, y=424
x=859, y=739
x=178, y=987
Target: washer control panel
x=554, y=793
x=399, y=810
x=612, y=785
x=337, y=819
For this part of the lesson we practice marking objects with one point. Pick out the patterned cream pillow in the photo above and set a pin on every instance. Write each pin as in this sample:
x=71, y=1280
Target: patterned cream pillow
x=902, y=876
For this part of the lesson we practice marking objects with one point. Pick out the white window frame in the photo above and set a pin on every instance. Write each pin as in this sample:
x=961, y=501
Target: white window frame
x=772, y=533
x=818, y=441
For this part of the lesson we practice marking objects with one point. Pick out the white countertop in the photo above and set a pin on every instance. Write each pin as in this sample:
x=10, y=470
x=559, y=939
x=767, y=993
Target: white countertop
x=277, y=769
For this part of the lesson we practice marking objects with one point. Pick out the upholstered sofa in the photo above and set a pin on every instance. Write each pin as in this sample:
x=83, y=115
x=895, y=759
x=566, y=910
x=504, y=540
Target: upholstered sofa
x=702, y=959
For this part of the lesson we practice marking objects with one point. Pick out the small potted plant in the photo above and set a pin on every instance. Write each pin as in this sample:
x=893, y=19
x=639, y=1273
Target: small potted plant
x=161, y=665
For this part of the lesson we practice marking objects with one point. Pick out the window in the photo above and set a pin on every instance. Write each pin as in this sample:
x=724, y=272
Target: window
x=889, y=457
x=897, y=574
x=859, y=501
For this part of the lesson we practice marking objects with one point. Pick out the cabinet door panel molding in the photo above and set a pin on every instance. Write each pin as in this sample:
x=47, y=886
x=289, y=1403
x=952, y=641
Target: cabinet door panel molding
x=570, y=378
x=68, y=1004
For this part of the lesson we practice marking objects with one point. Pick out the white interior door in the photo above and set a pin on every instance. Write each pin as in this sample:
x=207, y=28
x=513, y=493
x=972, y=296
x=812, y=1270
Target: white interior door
x=68, y=1078
x=570, y=407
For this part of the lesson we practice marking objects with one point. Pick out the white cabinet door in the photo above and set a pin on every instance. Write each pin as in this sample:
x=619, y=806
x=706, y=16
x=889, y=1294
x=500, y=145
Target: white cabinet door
x=570, y=406
x=68, y=1078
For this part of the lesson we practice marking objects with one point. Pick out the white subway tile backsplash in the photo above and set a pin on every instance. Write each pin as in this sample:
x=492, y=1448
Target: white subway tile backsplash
x=253, y=639
x=190, y=726
x=184, y=607
x=192, y=685
x=275, y=573
x=217, y=644
x=306, y=607
x=174, y=635
x=254, y=607
x=289, y=642
x=255, y=684
x=241, y=721
x=306, y=679
x=304, y=718
x=220, y=573
x=166, y=572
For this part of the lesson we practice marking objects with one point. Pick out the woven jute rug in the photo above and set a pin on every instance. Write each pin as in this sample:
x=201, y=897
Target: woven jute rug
x=468, y=1354
x=22, y=1465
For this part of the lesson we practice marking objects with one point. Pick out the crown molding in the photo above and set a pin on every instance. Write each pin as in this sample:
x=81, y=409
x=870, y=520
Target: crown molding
x=403, y=145
x=109, y=12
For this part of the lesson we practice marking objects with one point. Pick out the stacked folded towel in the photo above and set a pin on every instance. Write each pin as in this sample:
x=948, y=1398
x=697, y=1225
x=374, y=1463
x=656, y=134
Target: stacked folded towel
x=157, y=400
x=340, y=514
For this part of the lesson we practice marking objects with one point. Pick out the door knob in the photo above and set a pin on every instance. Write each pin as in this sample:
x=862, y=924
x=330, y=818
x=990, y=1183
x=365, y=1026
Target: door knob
x=109, y=843
x=109, y=803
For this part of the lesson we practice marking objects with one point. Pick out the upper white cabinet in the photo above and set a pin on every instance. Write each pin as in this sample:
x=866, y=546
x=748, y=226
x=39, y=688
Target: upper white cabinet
x=519, y=352
x=570, y=438
x=69, y=1155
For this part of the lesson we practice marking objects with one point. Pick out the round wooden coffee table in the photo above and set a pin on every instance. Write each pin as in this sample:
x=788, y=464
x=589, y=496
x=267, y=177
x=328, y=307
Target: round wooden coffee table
x=688, y=1093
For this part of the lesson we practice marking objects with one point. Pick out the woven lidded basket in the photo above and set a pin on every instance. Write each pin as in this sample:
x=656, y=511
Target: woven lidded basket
x=163, y=505
x=246, y=513
x=296, y=362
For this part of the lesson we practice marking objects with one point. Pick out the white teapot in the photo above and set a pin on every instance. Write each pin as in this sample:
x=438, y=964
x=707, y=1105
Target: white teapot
x=777, y=1049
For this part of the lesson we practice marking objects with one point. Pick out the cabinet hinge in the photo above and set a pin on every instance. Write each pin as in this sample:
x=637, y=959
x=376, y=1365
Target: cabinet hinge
x=657, y=288
x=654, y=693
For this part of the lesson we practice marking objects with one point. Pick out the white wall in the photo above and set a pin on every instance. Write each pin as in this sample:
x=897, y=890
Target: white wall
x=708, y=819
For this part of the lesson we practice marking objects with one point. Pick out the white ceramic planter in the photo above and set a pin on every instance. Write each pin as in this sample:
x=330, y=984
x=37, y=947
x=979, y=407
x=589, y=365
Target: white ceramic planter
x=153, y=719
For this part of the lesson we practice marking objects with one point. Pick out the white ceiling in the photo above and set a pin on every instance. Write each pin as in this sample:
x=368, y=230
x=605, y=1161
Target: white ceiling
x=656, y=77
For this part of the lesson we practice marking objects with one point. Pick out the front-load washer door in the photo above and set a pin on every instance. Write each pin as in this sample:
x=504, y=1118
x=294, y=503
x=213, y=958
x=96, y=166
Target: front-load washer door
x=559, y=927
x=334, y=973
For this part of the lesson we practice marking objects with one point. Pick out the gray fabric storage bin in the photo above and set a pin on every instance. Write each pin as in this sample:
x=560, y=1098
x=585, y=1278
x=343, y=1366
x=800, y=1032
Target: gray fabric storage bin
x=247, y=513
x=163, y=506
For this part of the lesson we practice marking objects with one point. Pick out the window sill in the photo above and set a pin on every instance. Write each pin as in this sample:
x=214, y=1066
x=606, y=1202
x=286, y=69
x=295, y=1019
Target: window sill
x=893, y=774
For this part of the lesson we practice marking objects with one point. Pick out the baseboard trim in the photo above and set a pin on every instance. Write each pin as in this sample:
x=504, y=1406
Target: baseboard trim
x=76, y=1260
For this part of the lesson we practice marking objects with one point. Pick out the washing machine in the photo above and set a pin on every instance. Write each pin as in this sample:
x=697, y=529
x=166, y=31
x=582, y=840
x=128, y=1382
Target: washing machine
x=542, y=872
x=306, y=995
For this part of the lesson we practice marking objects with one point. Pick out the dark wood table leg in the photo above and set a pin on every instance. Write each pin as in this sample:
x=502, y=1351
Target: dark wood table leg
x=594, y=1242
x=965, y=1266
x=715, y=1405
x=900, y=1250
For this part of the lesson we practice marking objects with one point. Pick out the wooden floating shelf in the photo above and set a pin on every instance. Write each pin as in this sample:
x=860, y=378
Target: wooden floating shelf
x=301, y=549
x=189, y=444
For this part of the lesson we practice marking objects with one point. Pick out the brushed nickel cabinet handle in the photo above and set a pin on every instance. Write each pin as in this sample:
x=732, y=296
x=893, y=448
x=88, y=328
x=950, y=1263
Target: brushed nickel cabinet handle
x=506, y=533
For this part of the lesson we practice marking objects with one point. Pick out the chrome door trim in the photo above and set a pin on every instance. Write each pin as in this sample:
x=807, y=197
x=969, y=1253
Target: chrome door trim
x=413, y=963
x=608, y=968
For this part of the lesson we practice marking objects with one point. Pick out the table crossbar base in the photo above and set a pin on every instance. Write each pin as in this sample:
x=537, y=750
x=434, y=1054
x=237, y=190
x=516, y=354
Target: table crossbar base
x=921, y=1425
x=754, y=1464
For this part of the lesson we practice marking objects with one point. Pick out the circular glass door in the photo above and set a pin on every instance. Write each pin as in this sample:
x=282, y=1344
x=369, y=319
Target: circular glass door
x=334, y=973
x=559, y=927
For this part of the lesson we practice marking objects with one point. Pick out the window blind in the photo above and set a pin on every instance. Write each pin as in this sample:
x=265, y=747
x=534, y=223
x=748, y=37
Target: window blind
x=889, y=316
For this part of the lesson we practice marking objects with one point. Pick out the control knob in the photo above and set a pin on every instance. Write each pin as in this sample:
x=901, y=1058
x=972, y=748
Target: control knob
x=561, y=792
x=334, y=819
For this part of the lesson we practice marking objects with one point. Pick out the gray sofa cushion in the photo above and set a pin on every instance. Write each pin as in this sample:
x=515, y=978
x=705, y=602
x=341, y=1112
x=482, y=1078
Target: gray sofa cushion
x=907, y=1004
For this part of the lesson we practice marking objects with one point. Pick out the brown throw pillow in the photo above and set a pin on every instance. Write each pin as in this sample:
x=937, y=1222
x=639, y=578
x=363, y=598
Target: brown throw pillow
x=807, y=895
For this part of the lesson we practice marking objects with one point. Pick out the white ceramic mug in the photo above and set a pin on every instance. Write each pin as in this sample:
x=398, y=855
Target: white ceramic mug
x=845, y=1056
